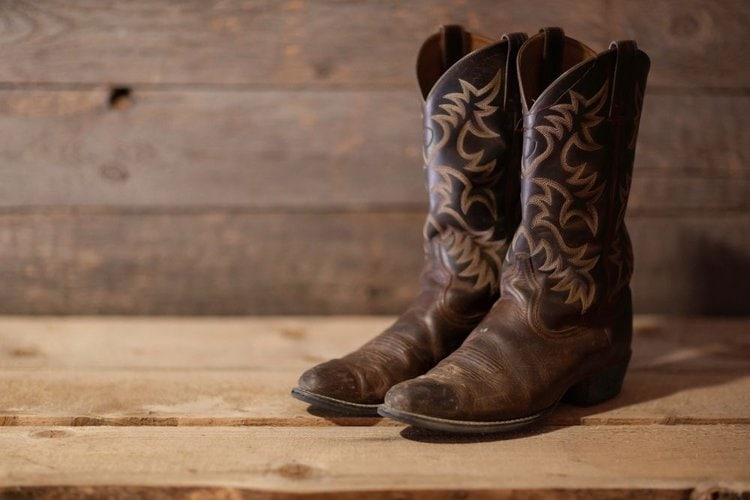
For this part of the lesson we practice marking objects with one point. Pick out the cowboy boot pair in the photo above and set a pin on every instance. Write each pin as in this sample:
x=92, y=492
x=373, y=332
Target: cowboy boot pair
x=561, y=329
x=471, y=155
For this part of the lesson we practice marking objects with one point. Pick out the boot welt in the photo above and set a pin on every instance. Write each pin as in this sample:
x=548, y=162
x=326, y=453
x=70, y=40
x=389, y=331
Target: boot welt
x=335, y=405
x=461, y=426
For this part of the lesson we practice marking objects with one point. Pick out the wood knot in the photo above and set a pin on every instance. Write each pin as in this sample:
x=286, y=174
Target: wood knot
x=322, y=69
x=684, y=25
x=24, y=352
x=51, y=433
x=293, y=333
x=294, y=471
x=114, y=171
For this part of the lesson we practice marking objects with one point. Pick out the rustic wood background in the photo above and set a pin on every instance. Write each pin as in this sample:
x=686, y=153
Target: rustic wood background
x=232, y=157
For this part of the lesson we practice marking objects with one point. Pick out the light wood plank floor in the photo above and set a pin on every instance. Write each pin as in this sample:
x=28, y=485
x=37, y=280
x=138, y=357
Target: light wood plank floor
x=125, y=408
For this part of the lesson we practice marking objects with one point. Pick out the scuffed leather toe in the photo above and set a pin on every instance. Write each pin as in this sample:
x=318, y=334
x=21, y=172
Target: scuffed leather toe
x=334, y=379
x=423, y=396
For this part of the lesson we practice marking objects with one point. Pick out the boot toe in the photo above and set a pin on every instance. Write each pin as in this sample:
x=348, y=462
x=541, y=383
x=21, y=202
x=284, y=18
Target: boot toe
x=424, y=396
x=333, y=379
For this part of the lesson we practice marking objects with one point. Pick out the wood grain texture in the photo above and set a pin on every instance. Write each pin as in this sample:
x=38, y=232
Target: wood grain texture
x=312, y=150
x=263, y=42
x=134, y=344
x=295, y=342
x=227, y=263
x=327, y=43
x=258, y=149
x=314, y=263
x=238, y=372
x=188, y=195
x=116, y=407
x=261, y=398
x=691, y=43
x=354, y=459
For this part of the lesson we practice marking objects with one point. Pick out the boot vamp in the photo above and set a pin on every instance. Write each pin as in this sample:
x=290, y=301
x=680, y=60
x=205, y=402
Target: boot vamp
x=505, y=370
x=427, y=332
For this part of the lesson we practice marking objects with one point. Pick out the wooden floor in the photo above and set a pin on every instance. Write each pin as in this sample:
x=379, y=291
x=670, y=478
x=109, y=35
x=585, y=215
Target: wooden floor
x=201, y=407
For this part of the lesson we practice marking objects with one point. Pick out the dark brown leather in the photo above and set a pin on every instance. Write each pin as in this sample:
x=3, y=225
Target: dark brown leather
x=472, y=156
x=565, y=313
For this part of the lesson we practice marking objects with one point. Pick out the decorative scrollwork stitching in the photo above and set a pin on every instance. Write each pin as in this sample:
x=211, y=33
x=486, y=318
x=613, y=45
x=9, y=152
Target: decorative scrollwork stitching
x=559, y=203
x=475, y=253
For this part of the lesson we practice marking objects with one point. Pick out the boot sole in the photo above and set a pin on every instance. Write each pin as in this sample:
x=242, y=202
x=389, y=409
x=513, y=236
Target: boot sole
x=592, y=390
x=461, y=426
x=335, y=405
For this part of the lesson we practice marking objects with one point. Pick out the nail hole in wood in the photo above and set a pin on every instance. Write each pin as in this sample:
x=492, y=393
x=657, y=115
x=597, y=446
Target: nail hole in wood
x=120, y=98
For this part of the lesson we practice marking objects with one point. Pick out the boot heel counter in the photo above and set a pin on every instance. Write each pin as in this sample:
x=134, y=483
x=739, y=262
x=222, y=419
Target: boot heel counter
x=604, y=385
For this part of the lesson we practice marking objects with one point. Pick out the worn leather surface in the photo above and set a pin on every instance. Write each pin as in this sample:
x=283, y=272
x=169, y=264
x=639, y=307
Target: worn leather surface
x=565, y=312
x=472, y=155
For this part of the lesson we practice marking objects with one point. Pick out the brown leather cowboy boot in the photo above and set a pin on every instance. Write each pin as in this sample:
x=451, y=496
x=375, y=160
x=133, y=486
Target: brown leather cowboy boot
x=472, y=159
x=561, y=330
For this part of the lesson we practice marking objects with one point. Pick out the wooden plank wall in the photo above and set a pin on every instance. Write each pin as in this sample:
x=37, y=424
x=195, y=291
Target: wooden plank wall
x=263, y=157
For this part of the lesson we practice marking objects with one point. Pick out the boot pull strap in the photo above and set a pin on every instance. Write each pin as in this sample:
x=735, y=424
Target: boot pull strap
x=554, y=39
x=515, y=40
x=624, y=70
x=453, y=44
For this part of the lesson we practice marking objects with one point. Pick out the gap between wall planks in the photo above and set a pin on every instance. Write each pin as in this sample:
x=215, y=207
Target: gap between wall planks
x=680, y=427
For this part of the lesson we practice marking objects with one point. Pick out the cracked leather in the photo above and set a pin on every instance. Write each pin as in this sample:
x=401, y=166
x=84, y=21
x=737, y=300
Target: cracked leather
x=565, y=312
x=471, y=155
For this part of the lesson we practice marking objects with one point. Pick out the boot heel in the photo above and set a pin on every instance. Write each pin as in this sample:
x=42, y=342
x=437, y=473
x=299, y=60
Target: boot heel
x=599, y=387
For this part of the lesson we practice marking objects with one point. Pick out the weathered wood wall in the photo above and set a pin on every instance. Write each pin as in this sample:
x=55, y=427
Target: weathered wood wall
x=263, y=156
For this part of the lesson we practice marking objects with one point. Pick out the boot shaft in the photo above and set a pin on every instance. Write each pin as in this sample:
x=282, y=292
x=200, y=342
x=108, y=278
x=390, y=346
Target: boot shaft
x=581, y=115
x=471, y=157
